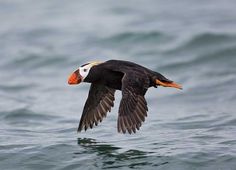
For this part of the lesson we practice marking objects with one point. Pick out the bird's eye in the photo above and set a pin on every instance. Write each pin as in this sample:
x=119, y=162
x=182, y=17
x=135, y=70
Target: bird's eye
x=85, y=70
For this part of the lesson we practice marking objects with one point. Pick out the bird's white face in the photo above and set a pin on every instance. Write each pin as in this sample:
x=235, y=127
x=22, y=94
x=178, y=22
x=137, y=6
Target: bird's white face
x=81, y=73
x=84, y=70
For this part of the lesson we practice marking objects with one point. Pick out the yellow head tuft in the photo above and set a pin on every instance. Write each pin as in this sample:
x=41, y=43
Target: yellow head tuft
x=94, y=63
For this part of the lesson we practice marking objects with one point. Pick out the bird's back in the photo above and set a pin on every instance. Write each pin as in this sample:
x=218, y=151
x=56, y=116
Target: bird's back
x=121, y=64
x=127, y=66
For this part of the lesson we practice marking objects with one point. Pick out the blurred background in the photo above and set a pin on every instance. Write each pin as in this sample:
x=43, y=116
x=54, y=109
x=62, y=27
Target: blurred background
x=190, y=42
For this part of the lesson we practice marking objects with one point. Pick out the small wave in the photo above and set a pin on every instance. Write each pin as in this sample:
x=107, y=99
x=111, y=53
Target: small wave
x=18, y=87
x=209, y=39
x=136, y=38
x=202, y=123
x=34, y=61
x=192, y=117
x=216, y=57
x=24, y=114
x=13, y=146
x=203, y=48
x=205, y=159
x=204, y=41
x=228, y=142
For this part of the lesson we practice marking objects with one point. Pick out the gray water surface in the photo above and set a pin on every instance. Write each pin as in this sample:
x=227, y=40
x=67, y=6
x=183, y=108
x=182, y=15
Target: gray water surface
x=190, y=42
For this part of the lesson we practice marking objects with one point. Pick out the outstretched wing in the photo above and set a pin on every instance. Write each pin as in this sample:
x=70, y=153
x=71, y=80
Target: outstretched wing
x=99, y=102
x=133, y=106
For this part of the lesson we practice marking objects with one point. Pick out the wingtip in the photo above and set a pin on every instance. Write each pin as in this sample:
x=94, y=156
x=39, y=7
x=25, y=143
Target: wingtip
x=79, y=129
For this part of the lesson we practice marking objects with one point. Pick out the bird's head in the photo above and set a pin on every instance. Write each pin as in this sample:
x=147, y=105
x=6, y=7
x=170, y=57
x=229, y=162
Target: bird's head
x=81, y=73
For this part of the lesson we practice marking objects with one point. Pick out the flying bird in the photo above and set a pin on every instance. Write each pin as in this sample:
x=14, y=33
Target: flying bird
x=106, y=77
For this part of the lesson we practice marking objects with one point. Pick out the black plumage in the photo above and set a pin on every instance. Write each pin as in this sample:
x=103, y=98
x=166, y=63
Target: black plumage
x=133, y=80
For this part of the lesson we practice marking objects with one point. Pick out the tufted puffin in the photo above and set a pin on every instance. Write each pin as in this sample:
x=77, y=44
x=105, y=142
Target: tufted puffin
x=106, y=77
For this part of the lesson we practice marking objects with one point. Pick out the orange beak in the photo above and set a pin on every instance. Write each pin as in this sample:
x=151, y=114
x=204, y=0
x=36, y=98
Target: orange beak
x=74, y=79
x=168, y=84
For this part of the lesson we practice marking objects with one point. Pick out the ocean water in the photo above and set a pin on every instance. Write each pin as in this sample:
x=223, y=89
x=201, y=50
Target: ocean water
x=190, y=42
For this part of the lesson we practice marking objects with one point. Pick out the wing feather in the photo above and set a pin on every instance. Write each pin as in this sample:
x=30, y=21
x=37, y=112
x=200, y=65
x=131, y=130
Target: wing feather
x=133, y=106
x=99, y=102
